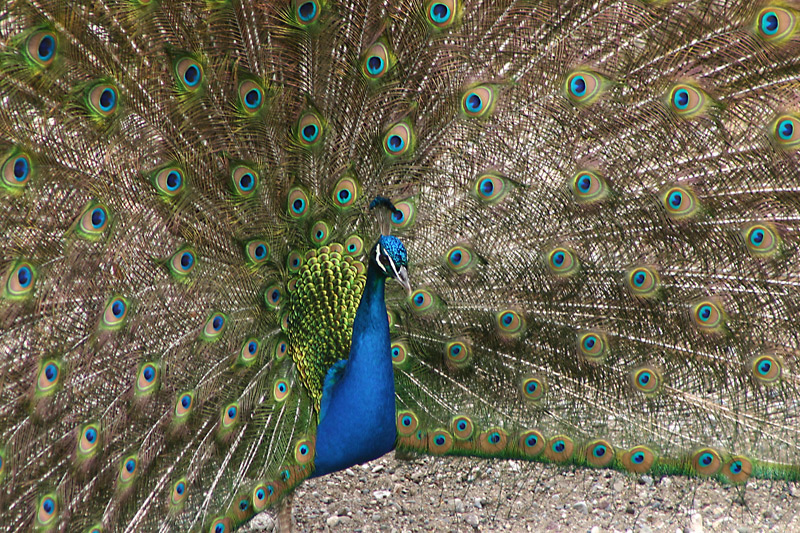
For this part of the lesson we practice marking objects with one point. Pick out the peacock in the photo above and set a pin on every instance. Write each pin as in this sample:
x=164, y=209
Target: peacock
x=245, y=243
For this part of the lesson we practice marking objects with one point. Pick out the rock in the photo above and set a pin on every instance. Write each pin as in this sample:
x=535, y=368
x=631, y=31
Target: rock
x=377, y=469
x=458, y=505
x=581, y=507
x=381, y=494
x=472, y=519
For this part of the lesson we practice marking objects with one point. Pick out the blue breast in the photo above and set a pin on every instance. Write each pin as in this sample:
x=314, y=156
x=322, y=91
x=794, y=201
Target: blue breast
x=358, y=406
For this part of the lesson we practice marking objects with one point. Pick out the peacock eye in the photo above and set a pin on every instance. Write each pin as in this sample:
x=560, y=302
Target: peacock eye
x=384, y=259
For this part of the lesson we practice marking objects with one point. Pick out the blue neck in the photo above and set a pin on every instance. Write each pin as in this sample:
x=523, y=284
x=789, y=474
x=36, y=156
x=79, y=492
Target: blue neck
x=358, y=419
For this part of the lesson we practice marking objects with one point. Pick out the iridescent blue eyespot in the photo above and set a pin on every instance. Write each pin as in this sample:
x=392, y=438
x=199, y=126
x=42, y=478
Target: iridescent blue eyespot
x=307, y=11
x=578, y=86
x=251, y=96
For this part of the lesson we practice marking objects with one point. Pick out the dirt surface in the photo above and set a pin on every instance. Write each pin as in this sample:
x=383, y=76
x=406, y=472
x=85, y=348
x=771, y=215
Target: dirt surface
x=457, y=494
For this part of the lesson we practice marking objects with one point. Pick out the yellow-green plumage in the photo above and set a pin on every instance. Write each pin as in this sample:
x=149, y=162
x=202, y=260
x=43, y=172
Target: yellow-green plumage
x=323, y=304
x=599, y=199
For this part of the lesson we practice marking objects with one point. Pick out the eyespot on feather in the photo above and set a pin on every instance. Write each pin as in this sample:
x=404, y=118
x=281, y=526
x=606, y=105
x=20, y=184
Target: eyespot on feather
x=404, y=214
x=462, y=427
x=244, y=181
x=169, y=181
x=345, y=192
x=222, y=524
x=377, y=61
x=307, y=12
x=490, y=188
x=786, y=132
x=493, y=441
x=407, y=423
x=776, y=25
x=88, y=441
x=687, y=101
x=638, y=459
x=478, y=102
x=399, y=352
x=49, y=377
x=16, y=171
x=214, y=327
x=294, y=261
x=103, y=99
x=398, y=140
x=115, y=313
x=309, y=129
x=460, y=259
x=182, y=263
x=762, y=240
x=320, y=233
x=510, y=323
x=593, y=346
x=706, y=462
x=588, y=186
x=147, y=379
x=128, y=470
x=647, y=380
x=273, y=296
x=248, y=354
x=643, y=281
x=280, y=390
x=20, y=279
x=304, y=451
x=256, y=251
x=679, y=202
x=422, y=301
x=41, y=48
x=441, y=14
x=458, y=354
x=738, y=469
x=440, y=441
x=47, y=510
x=297, y=203
x=534, y=388
x=559, y=449
x=584, y=87
x=766, y=369
x=280, y=348
x=189, y=73
x=708, y=316
x=94, y=220
x=229, y=415
x=179, y=492
x=531, y=443
x=599, y=453
x=184, y=405
x=562, y=261
x=251, y=96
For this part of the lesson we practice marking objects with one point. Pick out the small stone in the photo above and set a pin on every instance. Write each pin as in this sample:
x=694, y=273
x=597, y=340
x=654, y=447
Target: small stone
x=478, y=503
x=619, y=485
x=644, y=528
x=581, y=507
x=472, y=519
x=458, y=505
x=333, y=521
x=595, y=529
x=646, y=480
x=695, y=524
x=376, y=517
x=381, y=494
x=350, y=472
x=377, y=469
x=262, y=522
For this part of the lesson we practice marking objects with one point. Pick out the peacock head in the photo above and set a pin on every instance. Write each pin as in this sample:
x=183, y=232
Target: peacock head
x=390, y=256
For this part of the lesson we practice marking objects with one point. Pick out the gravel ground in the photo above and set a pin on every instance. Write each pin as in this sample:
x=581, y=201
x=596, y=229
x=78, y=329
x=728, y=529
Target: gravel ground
x=459, y=494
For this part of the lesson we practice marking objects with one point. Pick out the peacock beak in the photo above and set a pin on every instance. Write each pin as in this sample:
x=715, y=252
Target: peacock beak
x=402, y=279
